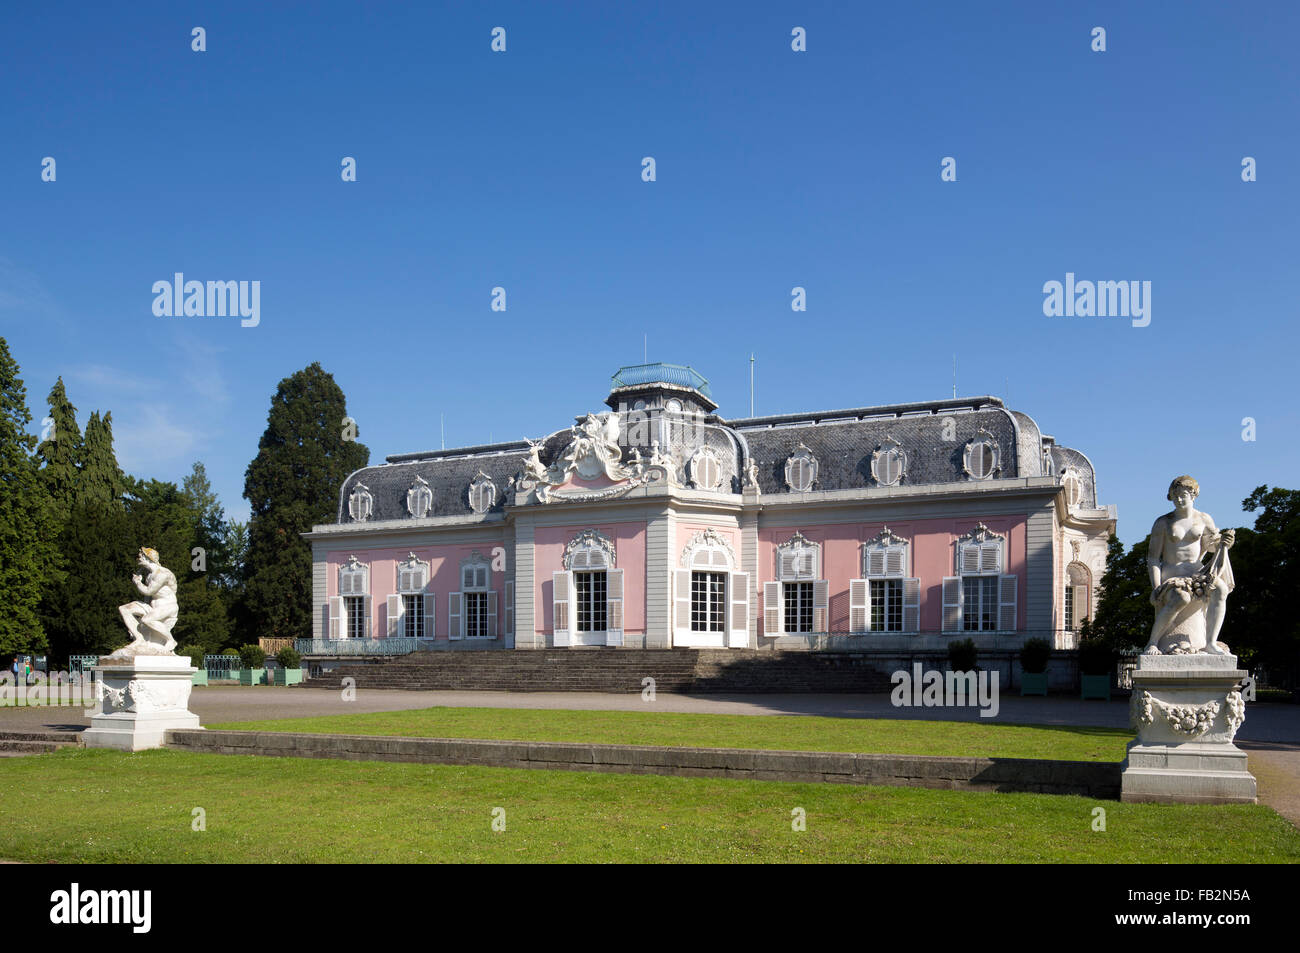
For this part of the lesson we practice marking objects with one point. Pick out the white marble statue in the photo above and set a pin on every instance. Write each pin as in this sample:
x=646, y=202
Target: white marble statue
x=150, y=624
x=1190, y=595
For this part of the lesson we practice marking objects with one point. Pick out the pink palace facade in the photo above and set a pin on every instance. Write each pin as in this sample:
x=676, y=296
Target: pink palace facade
x=659, y=524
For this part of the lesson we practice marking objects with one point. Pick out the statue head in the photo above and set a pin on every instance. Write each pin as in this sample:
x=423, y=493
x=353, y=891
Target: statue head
x=148, y=554
x=1184, y=481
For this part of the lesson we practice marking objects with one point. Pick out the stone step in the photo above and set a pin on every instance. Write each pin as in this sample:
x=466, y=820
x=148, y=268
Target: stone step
x=31, y=747
x=36, y=734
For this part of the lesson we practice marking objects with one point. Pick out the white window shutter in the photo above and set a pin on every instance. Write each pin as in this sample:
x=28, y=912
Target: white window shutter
x=335, y=628
x=1082, y=609
x=455, y=616
x=1007, y=603
x=492, y=614
x=970, y=559
x=394, y=616
x=821, y=605
x=681, y=602
x=369, y=615
x=912, y=605
x=510, y=607
x=875, y=562
x=562, y=607
x=614, y=607
x=773, y=610
x=894, y=561
x=859, y=605
x=952, y=594
x=430, y=611
x=788, y=562
x=991, y=557
x=738, y=624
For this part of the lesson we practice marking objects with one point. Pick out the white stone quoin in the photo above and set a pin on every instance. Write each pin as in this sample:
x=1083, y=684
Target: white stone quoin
x=144, y=687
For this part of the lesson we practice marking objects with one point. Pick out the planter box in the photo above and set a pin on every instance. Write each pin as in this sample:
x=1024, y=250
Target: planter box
x=1033, y=683
x=1094, y=686
x=288, y=676
x=200, y=677
x=252, y=676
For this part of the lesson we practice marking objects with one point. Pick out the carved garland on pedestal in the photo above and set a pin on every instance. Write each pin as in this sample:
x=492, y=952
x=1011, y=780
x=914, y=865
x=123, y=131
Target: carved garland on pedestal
x=1190, y=720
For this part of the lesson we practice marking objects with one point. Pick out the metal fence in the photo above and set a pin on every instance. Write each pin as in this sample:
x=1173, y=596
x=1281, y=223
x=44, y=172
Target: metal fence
x=81, y=663
x=222, y=666
x=360, y=646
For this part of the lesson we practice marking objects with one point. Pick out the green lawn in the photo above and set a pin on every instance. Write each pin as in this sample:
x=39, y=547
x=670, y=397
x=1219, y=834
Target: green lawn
x=773, y=732
x=97, y=806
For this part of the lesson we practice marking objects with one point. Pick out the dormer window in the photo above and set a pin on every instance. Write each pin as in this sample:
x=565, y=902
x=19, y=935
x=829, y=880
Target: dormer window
x=482, y=493
x=981, y=458
x=889, y=463
x=801, y=470
x=706, y=470
x=419, y=498
x=1073, y=484
x=361, y=504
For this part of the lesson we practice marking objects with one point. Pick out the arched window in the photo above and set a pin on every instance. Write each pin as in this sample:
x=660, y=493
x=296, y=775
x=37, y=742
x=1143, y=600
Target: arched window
x=361, y=505
x=981, y=457
x=1078, y=595
x=419, y=498
x=801, y=470
x=482, y=493
x=889, y=463
x=706, y=470
x=588, y=594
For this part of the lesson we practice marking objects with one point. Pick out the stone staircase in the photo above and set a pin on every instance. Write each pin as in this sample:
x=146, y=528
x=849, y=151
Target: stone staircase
x=15, y=742
x=614, y=670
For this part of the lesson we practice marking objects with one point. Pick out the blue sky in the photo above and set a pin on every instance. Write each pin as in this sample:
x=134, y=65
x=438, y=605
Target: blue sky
x=775, y=169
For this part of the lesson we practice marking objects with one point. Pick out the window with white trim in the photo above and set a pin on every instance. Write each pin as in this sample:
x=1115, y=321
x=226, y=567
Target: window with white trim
x=711, y=600
x=885, y=599
x=588, y=593
x=1078, y=595
x=482, y=493
x=981, y=597
x=981, y=456
x=1073, y=485
x=889, y=463
x=706, y=470
x=797, y=602
x=419, y=498
x=361, y=504
x=801, y=470
x=348, y=613
x=410, y=608
x=474, y=578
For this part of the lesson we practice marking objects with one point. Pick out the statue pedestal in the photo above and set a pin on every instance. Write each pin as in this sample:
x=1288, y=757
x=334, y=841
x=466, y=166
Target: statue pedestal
x=141, y=698
x=1186, y=710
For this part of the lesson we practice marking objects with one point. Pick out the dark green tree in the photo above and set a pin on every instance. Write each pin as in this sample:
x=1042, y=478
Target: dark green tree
x=1124, y=612
x=80, y=612
x=60, y=453
x=28, y=521
x=305, y=454
x=1259, y=627
x=102, y=481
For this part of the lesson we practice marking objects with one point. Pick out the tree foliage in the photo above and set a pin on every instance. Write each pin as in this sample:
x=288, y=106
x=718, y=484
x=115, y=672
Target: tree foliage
x=292, y=484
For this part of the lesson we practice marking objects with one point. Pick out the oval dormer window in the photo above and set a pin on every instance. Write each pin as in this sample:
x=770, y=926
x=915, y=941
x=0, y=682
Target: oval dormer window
x=482, y=493
x=361, y=505
x=981, y=457
x=801, y=470
x=419, y=498
x=889, y=463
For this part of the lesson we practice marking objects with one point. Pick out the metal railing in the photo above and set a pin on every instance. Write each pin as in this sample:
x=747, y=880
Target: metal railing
x=81, y=663
x=392, y=646
x=222, y=666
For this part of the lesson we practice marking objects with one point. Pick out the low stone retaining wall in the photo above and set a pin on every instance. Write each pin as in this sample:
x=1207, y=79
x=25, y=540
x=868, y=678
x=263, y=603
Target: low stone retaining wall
x=1086, y=778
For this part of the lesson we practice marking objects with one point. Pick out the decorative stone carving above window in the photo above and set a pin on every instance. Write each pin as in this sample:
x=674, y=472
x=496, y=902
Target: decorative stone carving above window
x=980, y=552
x=708, y=549
x=801, y=470
x=885, y=555
x=889, y=463
x=590, y=549
x=419, y=498
x=982, y=458
x=354, y=578
x=412, y=574
x=361, y=504
x=798, y=559
x=482, y=493
x=706, y=469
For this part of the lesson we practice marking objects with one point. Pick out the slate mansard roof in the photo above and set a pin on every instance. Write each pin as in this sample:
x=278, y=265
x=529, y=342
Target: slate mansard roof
x=934, y=436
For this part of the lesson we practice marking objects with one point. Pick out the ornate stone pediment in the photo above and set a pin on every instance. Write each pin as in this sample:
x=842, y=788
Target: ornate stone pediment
x=708, y=539
x=593, y=452
x=981, y=534
x=886, y=537
x=579, y=553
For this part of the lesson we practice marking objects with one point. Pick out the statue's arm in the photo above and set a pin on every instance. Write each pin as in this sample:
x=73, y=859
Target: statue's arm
x=1156, y=552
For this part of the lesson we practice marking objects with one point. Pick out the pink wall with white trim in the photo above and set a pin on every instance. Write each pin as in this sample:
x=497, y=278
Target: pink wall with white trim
x=629, y=555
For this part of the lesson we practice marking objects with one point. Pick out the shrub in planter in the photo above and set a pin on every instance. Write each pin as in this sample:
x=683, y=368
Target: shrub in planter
x=288, y=658
x=1096, y=658
x=1034, y=655
x=230, y=651
x=290, y=670
x=252, y=656
x=962, y=655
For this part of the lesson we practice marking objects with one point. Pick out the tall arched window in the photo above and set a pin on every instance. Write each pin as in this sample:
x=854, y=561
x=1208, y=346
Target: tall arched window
x=1078, y=595
x=587, y=599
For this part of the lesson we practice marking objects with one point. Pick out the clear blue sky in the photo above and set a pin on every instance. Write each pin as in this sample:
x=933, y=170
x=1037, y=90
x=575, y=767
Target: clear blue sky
x=775, y=169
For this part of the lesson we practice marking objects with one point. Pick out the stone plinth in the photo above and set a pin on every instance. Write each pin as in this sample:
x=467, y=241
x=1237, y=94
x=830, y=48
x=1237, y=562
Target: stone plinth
x=141, y=698
x=1186, y=710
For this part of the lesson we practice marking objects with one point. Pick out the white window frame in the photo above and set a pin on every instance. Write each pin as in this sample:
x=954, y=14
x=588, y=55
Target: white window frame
x=704, y=459
x=361, y=503
x=981, y=554
x=419, y=498
x=410, y=588
x=798, y=561
x=889, y=447
x=590, y=551
x=709, y=551
x=802, y=455
x=887, y=558
x=480, y=485
x=982, y=438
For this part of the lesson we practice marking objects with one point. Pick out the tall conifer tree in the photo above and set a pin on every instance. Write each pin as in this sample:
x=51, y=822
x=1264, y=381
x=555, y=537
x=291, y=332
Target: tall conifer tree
x=303, y=458
x=28, y=522
x=60, y=453
x=102, y=481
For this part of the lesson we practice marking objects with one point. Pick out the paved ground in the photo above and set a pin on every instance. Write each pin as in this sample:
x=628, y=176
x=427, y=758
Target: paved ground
x=1271, y=733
